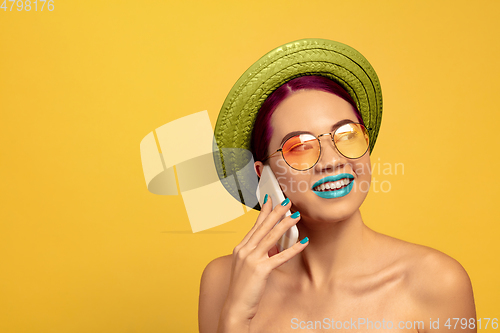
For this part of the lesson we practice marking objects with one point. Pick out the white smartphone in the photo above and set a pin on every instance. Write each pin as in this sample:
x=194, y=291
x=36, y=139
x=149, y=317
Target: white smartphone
x=268, y=184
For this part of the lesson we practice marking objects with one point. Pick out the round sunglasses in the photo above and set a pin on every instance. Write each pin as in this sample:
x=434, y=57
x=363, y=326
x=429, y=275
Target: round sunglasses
x=302, y=151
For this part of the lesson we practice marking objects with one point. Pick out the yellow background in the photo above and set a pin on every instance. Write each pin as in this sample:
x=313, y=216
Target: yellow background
x=86, y=248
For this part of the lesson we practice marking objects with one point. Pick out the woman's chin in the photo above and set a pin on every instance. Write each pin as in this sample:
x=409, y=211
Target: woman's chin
x=329, y=214
x=315, y=209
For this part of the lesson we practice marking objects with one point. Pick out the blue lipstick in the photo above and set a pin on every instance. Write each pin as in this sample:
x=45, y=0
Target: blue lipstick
x=330, y=194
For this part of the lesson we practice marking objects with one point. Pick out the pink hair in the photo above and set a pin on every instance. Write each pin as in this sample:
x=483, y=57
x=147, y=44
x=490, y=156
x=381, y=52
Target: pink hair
x=262, y=131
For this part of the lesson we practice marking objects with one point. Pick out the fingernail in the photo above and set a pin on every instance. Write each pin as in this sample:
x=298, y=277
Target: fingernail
x=295, y=215
x=285, y=202
x=265, y=199
x=304, y=240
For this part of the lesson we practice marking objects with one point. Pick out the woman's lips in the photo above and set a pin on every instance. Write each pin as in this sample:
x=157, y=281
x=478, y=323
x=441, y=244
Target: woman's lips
x=331, y=187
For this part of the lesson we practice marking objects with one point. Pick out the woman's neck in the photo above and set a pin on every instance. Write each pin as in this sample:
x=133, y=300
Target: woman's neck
x=335, y=250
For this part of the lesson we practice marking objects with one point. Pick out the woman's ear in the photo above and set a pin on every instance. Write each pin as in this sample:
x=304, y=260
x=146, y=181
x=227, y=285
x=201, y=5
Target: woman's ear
x=258, y=166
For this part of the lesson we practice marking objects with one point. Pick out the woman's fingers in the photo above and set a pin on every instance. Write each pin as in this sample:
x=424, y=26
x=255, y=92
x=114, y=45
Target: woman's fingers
x=272, y=237
x=251, y=266
x=268, y=224
x=273, y=251
x=266, y=208
x=264, y=212
x=282, y=257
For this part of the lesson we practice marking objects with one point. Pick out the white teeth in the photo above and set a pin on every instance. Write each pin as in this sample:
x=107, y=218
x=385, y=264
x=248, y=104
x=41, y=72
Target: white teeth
x=332, y=186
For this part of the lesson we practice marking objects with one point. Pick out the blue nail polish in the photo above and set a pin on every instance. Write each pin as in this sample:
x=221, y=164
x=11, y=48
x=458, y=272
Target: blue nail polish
x=285, y=202
x=295, y=215
x=265, y=199
x=304, y=240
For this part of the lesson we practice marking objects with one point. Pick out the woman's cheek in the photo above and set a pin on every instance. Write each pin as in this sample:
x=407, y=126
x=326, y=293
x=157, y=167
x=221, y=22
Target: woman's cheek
x=280, y=169
x=363, y=177
x=363, y=185
x=294, y=188
x=284, y=184
x=288, y=185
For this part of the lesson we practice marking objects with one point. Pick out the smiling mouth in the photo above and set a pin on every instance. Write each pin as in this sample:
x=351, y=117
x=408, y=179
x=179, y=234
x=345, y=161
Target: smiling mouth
x=333, y=186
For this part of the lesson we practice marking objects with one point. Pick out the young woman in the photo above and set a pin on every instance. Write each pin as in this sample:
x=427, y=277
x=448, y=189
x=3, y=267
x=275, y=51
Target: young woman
x=342, y=275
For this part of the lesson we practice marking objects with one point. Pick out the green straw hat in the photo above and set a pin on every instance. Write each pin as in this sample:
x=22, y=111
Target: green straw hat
x=311, y=56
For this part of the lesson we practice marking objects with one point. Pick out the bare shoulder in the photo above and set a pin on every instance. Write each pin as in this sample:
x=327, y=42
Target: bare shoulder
x=436, y=271
x=436, y=283
x=442, y=278
x=213, y=292
x=217, y=272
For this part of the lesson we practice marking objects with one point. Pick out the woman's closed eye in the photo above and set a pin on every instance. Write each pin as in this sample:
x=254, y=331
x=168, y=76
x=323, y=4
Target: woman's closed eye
x=347, y=136
x=301, y=147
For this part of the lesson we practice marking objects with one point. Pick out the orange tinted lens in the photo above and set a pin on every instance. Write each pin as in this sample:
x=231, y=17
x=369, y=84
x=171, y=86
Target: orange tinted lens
x=301, y=152
x=351, y=140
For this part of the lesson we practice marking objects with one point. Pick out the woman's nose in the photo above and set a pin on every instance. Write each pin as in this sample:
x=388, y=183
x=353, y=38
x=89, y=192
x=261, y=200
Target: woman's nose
x=330, y=158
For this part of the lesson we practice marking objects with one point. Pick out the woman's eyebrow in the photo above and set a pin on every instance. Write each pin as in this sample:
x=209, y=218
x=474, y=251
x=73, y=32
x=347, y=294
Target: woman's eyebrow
x=337, y=124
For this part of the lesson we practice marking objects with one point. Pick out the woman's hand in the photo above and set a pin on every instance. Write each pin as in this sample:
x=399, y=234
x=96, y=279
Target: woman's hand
x=252, y=265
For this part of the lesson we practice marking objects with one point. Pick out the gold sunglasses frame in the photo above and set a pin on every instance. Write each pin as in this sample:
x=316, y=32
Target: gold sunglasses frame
x=331, y=134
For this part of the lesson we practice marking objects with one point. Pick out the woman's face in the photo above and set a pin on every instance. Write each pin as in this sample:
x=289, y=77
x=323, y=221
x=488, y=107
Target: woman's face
x=317, y=112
